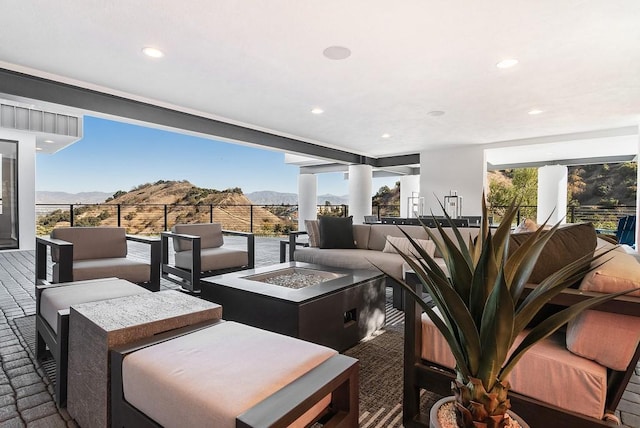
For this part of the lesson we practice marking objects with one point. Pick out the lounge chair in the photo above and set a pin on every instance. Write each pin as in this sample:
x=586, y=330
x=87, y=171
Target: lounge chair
x=200, y=252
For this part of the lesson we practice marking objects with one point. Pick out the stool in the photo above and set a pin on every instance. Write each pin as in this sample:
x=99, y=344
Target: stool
x=52, y=318
x=231, y=375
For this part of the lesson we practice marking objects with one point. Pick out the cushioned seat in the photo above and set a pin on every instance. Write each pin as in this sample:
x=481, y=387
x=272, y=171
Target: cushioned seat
x=200, y=252
x=212, y=376
x=52, y=317
x=564, y=372
x=83, y=253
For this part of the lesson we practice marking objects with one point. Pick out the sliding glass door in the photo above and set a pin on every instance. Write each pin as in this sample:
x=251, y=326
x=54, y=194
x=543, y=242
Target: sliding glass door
x=9, y=194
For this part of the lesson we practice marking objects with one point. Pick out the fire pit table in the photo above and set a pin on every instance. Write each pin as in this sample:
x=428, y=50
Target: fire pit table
x=325, y=305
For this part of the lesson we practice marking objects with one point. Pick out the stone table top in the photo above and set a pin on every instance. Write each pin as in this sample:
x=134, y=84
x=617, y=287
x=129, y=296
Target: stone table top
x=124, y=312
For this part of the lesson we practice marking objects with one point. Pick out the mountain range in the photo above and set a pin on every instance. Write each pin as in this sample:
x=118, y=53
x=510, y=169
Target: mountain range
x=265, y=197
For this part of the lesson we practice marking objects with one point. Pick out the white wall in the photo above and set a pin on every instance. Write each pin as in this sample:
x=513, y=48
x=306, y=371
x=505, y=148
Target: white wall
x=552, y=194
x=462, y=169
x=26, y=186
x=408, y=185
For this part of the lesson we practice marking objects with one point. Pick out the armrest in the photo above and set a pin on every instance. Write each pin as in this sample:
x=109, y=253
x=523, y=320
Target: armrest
x=293, y=236
x=251, y=244
x=65, y=259
x=155, y=258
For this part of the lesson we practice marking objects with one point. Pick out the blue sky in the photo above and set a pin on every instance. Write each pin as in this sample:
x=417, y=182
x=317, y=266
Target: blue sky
x=119, y=156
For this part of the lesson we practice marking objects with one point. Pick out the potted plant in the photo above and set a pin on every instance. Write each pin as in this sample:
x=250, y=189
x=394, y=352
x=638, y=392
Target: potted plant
x=480, y=300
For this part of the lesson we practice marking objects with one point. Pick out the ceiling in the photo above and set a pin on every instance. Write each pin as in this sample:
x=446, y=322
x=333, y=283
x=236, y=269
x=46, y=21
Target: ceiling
x=261, y=65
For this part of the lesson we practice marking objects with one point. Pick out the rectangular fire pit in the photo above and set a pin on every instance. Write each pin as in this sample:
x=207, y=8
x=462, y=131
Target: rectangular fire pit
x=330, y=306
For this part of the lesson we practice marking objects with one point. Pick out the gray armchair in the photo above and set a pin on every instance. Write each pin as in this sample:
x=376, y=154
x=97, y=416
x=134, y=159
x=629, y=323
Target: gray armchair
x=200, y=252
x=84, y=253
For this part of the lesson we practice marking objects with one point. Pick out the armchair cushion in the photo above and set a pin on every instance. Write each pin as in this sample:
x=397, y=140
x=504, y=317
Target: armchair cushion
x=608, y=338
x=213, y=259
x=121, y=267
x=112, y=242
x=210, y=235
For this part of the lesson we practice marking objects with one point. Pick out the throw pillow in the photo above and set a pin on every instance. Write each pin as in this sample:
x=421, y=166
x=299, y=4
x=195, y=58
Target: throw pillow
x=619, y=272
x=405, y=247
x=336, y=232
x=567, y=244
x=527, y=225
x=313, y=232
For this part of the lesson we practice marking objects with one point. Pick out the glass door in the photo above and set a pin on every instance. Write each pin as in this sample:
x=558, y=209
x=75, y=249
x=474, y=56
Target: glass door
x=9, y=194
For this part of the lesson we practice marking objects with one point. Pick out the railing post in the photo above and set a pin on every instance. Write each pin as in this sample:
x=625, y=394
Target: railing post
x=119, y=215
x=573, y=214
x=165, y=218
x=210, y=213
x=251, y=218
x=71, y=215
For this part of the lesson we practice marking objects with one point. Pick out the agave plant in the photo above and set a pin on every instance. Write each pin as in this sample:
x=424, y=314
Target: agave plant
x=483, y=311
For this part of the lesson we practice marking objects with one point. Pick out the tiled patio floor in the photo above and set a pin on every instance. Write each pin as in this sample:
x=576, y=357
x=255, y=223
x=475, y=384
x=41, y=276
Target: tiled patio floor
x=26, y=396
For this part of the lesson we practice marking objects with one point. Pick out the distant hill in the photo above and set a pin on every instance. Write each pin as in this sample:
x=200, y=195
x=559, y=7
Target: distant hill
x=268, y=197
x=46, y=197
x=142, y=210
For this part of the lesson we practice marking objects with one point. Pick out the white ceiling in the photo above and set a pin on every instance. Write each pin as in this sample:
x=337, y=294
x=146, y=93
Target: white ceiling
x=261, y=64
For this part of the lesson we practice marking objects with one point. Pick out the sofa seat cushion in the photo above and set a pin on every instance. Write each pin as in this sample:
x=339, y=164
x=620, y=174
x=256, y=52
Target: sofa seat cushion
x=213, y=258
x=209, y=377
x=54, y=299
x=352, y=259
x=547, y=372
x=121, y=267
x=92, y=242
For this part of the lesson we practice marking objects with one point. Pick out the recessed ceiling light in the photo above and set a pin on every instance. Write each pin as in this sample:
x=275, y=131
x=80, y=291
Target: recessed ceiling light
x=507, y=63
x=317, y=110
x=337, y=52
x=435, y=113
x=385, y=135
x=152, y=52
x=49, y=141
x=535, y=111
x=38, y=149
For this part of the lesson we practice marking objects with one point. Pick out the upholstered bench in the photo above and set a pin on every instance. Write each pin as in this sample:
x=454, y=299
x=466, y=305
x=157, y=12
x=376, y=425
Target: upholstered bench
x=52, y=318
x=231, y=375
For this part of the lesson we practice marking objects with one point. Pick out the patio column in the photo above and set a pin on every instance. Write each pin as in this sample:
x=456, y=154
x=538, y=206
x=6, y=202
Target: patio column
x=410, y=188
x=552, y=193
x=307, y=199
x=360, y=184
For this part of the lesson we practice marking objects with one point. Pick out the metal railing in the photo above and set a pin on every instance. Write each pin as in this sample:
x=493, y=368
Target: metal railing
x=266, y=220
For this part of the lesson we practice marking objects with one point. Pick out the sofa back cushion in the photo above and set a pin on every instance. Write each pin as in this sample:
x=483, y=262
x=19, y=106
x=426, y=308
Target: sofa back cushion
x=361, y=235
x=466, y=232
x=379, y=232
x=210, y=235
x=336, y=232
x=402, y=245
x=92, y=242
x=568, y=244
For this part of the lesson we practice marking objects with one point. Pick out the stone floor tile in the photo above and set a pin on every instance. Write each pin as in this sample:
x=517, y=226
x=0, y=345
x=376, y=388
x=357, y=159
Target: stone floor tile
x=33, y=389
x=25, y=380
x=33, y=400
x=51, y=421
x=39, y=412
x=15, y=422
x=7, y=413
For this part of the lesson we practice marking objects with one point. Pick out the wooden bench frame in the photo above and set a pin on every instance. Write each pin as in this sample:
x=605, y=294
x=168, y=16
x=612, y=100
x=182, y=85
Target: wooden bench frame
x=338, y=376
x=422, y=374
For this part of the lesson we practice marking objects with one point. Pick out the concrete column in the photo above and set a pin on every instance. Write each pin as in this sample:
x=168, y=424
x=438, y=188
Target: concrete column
x=307, y=199
x=360, y=184
x=410, y=187
x=552, y=193
x=638, y=202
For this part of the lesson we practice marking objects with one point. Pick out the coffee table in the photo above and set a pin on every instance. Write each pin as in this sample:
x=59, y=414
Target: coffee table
x=347, y=307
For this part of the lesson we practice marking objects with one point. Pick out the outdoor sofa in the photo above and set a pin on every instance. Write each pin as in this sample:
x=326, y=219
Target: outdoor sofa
x=370, y=247
x=575, y=377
